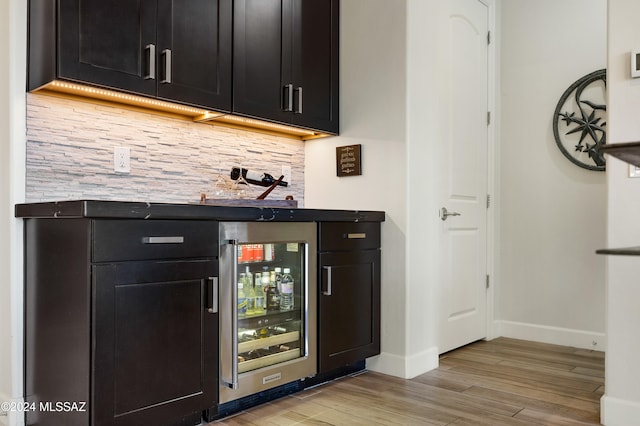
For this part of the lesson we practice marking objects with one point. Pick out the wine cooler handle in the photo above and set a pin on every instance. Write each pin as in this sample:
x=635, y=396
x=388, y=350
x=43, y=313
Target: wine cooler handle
x=327, y=292
x=212, y=308
x=233, y=384
x=234, y=319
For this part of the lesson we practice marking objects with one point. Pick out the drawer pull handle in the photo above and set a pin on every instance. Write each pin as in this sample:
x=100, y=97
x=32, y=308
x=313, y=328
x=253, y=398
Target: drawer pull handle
x=162, y=240
x=357, y=236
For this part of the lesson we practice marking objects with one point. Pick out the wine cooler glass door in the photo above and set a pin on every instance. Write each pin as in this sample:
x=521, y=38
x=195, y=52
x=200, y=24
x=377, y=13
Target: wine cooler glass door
x=270, y=303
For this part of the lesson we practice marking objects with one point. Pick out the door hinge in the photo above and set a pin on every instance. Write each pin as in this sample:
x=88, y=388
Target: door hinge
x=488, y=280
x=488, y=37
x=488, y=200
x=488, y=118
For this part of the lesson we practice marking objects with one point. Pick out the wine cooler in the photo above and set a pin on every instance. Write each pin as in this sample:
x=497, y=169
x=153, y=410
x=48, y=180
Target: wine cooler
x=267, y=305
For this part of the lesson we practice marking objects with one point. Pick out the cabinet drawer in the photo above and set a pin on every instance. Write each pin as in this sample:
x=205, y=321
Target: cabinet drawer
x=349, y=236
x=119, y=240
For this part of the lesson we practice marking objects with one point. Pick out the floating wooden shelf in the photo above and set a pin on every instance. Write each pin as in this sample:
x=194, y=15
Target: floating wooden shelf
x=629, y=152
x=624, y=251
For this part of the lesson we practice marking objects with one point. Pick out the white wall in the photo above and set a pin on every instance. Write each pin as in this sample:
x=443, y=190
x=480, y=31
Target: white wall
x=621, y=403
x=552, y=285
x=12, y=141
x=372, y=102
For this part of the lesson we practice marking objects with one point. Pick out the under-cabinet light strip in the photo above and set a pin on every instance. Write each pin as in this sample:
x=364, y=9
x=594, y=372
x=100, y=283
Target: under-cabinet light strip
x=265, y=124
x=95, y=92
x=196, y=114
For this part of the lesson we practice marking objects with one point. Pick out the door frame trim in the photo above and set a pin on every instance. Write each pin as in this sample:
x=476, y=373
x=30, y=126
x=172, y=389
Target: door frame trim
x=493, y=169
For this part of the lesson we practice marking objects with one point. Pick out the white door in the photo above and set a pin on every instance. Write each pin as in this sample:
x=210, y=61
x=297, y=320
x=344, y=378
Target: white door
x=464, y=236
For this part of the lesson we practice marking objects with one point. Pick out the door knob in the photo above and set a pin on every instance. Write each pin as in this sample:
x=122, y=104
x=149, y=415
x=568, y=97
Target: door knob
x=444, y=213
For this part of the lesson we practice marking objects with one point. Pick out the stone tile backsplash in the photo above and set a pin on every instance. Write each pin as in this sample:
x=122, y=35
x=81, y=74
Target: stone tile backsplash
x=70, y=154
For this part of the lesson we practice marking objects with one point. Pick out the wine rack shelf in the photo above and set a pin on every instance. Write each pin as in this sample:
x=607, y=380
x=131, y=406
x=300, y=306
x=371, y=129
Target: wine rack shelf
x=264, y=361
x=266, y=342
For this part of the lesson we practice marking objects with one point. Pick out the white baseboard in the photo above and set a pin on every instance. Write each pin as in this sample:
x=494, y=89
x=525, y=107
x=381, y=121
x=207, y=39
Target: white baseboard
x=619, y=412
x=12, y=417
x=554, y=335
x=404, y=367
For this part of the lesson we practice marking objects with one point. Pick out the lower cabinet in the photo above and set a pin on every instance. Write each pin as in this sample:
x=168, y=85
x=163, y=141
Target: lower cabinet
x=155, y=348
x=349, y=298
x=120, y=319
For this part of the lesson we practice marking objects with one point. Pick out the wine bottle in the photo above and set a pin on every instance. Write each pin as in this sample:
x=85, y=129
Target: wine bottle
x=255, y=178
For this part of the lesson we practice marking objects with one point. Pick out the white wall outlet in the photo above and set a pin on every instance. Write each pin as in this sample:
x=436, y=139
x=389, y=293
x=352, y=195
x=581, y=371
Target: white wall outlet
x=286, y=172
x=121, y=159
x=634, y=172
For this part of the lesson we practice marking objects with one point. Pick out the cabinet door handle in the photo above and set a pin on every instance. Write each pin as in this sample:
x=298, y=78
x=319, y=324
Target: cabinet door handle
x=162, y=240
x=327, y=292
x=166, y=59
x=212, y=308
x=299, y=98
x=150, y=49
x=288, y=97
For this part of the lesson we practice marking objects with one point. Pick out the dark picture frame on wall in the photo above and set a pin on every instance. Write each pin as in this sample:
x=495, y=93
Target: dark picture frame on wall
x=348, y=160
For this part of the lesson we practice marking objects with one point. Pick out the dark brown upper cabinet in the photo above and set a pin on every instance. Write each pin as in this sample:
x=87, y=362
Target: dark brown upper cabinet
x=286, y=62
x=174, y=50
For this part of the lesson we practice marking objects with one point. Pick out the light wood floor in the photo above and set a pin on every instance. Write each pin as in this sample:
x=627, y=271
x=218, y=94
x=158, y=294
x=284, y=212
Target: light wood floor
x=502, y=382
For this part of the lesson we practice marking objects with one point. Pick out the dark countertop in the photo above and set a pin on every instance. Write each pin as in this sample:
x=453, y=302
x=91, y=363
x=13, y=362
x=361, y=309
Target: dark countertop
x=96, y=209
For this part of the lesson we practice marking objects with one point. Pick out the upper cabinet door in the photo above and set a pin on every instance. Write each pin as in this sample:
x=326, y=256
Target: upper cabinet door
x=315, y=64
x=258, y=71
x=176, y=50
x=108, y=42
x=285, y=65
x=194, y=52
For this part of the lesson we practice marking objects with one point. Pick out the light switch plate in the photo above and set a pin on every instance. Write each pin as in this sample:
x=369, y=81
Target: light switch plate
x=635, y=64
x=634, y=172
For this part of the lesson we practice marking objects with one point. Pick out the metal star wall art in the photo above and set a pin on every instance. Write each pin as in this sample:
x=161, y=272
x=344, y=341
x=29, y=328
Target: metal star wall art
x=579, y=121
